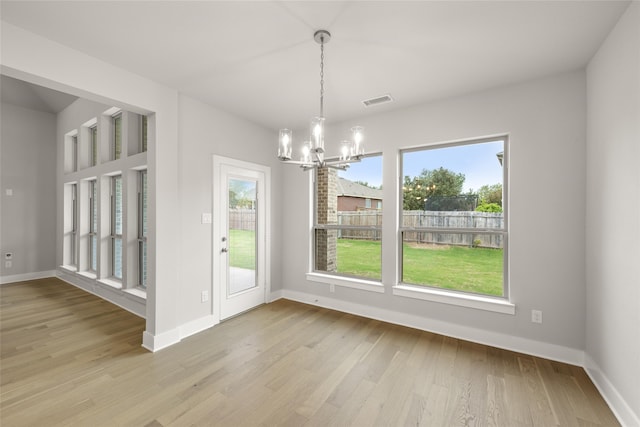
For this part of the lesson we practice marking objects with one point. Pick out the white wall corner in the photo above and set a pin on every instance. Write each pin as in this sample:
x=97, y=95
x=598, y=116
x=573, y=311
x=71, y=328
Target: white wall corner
x=618, y=405
x=521, y=345
x=157, y=342
x=275, y=295
x=27, y=276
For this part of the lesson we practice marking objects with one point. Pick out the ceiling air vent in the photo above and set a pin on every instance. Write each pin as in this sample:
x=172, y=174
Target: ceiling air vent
x=377, y=100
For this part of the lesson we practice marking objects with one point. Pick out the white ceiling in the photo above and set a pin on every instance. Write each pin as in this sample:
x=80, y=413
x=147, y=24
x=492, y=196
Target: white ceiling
x=259, y=61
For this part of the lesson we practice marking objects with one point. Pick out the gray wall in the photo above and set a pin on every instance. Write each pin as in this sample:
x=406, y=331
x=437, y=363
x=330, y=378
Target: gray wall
x=546, y=123
x=28, y=167
x=613, y=216
x=205, y=131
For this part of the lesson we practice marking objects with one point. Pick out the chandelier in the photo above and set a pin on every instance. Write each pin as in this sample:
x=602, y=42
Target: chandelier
x=313, y=149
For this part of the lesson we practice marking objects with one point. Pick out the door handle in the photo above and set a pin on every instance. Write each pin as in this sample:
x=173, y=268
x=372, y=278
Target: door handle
x=223, y=250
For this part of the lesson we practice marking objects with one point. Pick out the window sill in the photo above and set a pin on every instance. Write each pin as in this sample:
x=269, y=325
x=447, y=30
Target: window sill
x=137, y=292
x=496, y=305
x=111, y=283
x=69, y=268
x=88, y=274
x=347, y=282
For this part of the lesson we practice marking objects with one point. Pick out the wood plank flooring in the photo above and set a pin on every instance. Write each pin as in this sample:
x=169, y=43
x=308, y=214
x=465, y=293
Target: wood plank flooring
x=70, y=358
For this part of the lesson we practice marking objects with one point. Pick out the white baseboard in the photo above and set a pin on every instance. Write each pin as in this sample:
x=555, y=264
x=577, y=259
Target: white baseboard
x=619, y=406
x=494, y=339
x=27, y=276
x=157, y=342
x=197, y=325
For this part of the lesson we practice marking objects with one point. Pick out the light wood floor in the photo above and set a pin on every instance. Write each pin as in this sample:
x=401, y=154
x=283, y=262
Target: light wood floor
x=70, y=358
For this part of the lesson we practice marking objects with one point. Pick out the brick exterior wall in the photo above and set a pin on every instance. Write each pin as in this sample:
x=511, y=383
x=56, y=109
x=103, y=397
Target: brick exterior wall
x=327, y=206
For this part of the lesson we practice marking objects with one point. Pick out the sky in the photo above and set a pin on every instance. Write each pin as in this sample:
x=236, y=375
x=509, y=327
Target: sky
x=478, y=162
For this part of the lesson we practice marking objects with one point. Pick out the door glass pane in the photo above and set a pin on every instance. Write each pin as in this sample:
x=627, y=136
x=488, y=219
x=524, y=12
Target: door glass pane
x=242, y=235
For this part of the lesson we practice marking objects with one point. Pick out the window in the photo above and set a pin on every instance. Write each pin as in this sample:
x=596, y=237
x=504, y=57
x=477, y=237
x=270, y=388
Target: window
x=116, y=145
x=453, y=217
x=93, y=145
x=74, y=225
x=348, y=242
x=74, y=153
x=142, y=229
x=116, y=227
x=144, y=127
x=93, y=226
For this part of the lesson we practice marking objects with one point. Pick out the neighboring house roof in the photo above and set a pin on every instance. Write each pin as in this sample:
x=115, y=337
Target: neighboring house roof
x=353, y=189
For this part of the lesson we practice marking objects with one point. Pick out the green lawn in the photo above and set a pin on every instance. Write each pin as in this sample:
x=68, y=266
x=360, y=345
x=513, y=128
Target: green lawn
x=466, y=269
x=242, y=249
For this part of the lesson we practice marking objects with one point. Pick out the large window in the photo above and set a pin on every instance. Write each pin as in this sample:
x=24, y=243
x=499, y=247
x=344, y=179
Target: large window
x=93, y=145
x=142, y=229
x=347, y=230
x=116, y=135
x=453, y=217
x=116, y=227
x=93, y=226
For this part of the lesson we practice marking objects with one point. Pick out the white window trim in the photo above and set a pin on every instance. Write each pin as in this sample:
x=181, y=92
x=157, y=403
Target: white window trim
x=111, y=282
x=138, y=292
x=480, y=302
x=347, y=282
x=114, y=119
x=336, y=279
x=500, y=304
x=141, y=237
x=112, y=231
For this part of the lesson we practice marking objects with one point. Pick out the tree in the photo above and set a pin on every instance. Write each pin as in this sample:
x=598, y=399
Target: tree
x=436, y=182
x=490, y=194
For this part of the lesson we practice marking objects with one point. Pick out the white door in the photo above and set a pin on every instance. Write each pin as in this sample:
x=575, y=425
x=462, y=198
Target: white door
x=240, y=235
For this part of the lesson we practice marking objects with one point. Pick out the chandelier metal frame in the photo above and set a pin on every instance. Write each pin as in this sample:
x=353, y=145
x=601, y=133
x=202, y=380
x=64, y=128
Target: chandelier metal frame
x=313, y=150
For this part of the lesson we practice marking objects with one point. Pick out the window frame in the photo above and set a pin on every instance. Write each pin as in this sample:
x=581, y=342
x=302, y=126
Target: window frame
x=93, y=145
x=114, y=236
x=116, y=137
x=450, y=296
x=74, y=152
x=142, y=232
x=93, y=225
x=74, y=225
x=341, y=279
x=144, y=133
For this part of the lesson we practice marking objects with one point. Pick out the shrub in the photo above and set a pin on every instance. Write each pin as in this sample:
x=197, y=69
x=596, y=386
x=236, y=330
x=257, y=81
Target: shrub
x=489, y=207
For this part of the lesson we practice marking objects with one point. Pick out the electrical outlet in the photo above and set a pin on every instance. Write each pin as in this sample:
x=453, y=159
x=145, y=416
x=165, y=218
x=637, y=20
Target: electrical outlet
x=8, y=264
x=206, y=218
x=536, y=316
x=204, y=297
x=9, y=192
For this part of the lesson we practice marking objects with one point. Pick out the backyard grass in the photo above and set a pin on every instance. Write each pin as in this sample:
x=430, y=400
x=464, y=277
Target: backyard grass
x=242, y=249
x=477, y=270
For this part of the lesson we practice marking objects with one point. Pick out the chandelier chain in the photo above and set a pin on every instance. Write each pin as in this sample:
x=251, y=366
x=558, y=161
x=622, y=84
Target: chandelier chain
x=322, y=78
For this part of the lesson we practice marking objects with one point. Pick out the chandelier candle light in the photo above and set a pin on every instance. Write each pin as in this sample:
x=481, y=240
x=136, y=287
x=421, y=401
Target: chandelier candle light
x=313, y=150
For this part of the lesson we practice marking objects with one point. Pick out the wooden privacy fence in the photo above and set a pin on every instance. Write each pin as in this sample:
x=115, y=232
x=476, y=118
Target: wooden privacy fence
x=242, y=219
x=430, y=219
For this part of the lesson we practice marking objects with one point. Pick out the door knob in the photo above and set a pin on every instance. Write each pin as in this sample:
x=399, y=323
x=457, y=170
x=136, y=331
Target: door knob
x=223, y=250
